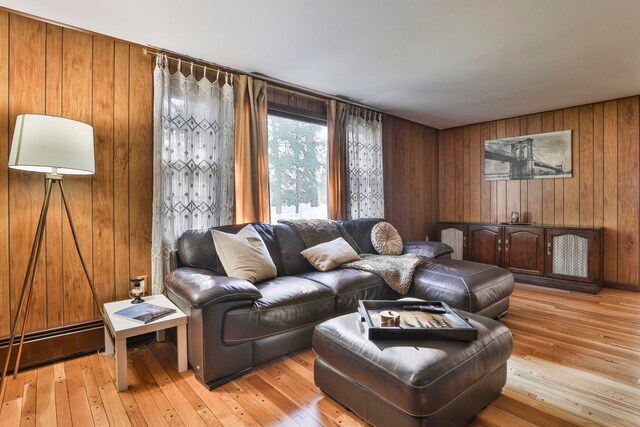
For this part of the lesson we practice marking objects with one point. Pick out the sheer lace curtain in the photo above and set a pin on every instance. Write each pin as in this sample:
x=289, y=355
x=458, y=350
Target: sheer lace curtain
x=365, y=185
x=193, y=158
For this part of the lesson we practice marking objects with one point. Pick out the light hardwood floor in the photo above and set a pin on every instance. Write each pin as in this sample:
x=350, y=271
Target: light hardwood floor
x=576, y=361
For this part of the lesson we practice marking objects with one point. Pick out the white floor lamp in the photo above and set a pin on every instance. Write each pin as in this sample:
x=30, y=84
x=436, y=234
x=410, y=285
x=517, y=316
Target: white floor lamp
x=55, y=146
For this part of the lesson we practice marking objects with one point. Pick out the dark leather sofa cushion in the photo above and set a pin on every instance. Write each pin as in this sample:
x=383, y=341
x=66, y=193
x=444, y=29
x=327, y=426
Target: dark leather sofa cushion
x=196, y=248
x=200, y=287
x=287, y=303
x=350, y=285
x=418, y=377
x=360, y=231
x=426, y=249
x=291, y=246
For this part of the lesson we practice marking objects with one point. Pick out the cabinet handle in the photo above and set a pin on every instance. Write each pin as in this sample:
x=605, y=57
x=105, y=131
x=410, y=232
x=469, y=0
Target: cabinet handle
x=499, y=245
x=506, y=245
x=464, y=241
x=548, y=248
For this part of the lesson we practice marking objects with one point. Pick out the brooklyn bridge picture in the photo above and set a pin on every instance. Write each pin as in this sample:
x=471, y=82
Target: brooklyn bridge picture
x=544, y=155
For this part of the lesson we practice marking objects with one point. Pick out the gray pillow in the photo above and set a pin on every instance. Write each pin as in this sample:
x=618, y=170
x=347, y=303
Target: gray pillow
x=329, y=255
x=244, y=255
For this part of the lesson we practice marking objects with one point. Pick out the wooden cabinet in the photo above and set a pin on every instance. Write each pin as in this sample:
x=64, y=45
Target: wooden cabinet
x=563, y=257
x=524, y=250
x=574, y=254
x=485, y=244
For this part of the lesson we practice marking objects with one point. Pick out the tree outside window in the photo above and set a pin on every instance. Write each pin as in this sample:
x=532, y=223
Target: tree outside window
x=297, y=168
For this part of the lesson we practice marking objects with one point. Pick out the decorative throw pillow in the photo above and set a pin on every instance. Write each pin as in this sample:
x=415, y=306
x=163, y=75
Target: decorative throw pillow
x=244, y=255
x=385, y=239
x=329, y=255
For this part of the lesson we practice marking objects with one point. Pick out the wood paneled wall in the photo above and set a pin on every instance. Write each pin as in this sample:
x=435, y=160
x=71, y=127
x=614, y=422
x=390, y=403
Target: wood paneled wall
x=48, y=69
x=410, y=177
x=603, y=192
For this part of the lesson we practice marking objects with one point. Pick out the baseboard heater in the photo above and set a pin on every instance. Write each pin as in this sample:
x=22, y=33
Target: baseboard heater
x=54, y=344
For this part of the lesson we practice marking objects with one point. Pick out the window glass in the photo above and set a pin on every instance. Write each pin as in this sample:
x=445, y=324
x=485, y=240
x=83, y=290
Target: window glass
x=297, y=168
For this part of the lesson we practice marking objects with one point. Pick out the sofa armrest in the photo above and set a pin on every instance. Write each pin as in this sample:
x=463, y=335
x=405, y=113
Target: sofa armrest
x=200, y=287
x=426, y=248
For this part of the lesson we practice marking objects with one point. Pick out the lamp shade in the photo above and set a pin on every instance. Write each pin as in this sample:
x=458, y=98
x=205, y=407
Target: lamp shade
x=51, y=144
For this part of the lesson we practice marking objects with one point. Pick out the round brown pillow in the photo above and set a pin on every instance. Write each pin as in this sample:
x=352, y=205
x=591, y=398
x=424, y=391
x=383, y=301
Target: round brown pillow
x=385, y=239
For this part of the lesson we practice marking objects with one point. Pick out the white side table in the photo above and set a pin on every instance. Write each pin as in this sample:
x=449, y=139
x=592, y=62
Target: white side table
x=122, y=328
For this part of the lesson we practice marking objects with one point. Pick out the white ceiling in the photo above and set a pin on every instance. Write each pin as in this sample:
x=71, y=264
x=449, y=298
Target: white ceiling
x=438, y=62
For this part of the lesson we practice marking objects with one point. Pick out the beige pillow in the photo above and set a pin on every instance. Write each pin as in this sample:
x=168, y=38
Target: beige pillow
x=329, y=255
x=244, y=255
x=386, y=240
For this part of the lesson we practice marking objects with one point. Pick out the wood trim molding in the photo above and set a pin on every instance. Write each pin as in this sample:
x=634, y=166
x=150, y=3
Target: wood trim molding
x=568, y=285
x=622, y=286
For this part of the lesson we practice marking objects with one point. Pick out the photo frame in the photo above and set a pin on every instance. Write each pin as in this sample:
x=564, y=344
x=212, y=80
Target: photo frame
x=538, y=156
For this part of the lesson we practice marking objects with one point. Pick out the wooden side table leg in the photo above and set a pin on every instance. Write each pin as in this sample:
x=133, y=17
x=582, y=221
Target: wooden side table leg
x=121, y=364
x=108, y=344
x=182, y=348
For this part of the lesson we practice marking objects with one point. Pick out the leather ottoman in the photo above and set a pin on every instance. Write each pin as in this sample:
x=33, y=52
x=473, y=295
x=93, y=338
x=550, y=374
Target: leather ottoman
x=411, y=383
x=479, y=288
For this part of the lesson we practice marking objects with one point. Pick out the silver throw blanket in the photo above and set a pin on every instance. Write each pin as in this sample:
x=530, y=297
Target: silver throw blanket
x=396, y=270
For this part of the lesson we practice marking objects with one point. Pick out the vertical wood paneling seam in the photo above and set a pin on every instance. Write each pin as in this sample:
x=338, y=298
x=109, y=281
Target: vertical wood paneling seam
x=593, y=160
x=480, y=149
x=129, y=160
x=9, y=294
x=43, y=262
x=577, y=168
x=113, y=180
x=617, y=192
x=617, y=189
x=53, y=73
x=615, y=166
x=541, y=130
x=62, y=260
x=46, y=275
x=93, y=246
x=602, y=173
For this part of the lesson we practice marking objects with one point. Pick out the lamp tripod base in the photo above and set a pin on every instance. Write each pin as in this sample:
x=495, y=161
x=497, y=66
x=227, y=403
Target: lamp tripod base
x=26, y=294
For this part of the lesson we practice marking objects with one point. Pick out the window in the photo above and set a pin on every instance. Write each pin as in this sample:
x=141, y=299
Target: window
x=297, y=168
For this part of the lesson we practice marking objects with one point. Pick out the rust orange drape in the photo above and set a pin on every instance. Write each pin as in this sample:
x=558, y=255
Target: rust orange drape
x=251, y=152
x=336, y=124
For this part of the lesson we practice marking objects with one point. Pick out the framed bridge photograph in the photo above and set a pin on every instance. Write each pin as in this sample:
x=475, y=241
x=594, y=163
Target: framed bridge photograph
x=543, y=155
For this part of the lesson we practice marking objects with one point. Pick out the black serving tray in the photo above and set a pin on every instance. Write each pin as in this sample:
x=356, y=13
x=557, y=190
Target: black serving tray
x=415, y=325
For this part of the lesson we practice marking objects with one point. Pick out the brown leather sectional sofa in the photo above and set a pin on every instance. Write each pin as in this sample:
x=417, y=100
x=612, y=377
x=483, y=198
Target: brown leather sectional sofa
x=234, y=325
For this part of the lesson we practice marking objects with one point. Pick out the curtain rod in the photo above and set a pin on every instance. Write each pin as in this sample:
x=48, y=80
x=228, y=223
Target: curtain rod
x=288, y=87
x=180, y=60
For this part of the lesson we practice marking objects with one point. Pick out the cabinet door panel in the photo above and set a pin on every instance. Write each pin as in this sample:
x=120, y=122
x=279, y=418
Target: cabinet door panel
x=524, y=250
x=485, y=244
x=571, y=254
x=455, y=235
